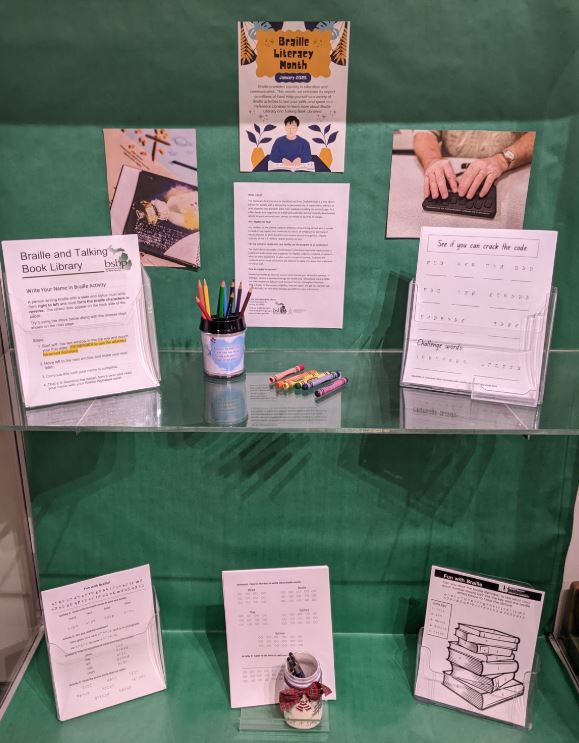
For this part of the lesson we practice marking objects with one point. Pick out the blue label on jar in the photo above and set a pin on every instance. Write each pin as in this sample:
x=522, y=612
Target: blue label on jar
x=224, y=354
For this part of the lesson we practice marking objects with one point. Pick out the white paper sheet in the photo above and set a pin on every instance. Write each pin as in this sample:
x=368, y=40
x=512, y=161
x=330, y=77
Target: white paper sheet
x=478, y=644
x=103, y=643
x=269, y=613
x=79, y=318
x=290, y=246
x=479, y=315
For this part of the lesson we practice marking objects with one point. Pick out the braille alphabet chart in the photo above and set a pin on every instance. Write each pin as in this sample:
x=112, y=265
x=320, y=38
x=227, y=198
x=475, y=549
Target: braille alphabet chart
x=479, y=311
x=103, y=641
x=269, y=613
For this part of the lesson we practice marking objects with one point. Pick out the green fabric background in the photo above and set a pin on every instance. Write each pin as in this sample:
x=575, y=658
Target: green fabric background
x=379, y=510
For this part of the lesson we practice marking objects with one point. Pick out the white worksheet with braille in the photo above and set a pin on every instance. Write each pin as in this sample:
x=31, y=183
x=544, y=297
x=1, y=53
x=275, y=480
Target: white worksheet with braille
x=268, y=613
x=479, y=315
x=103, y=641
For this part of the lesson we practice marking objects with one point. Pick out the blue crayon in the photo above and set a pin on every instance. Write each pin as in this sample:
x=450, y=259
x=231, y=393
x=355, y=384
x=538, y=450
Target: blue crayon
x=321, y=380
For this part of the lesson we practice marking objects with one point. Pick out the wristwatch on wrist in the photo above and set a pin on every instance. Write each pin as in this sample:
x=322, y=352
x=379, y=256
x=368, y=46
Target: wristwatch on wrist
x=509, y=156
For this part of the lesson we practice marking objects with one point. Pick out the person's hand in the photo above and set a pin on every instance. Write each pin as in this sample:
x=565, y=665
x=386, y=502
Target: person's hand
x=297, y=161
x=285, y=161
x=438, y=176
x=482, y=172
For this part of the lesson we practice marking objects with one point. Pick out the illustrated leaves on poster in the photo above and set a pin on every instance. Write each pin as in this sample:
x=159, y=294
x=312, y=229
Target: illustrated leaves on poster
x=257, y=129
x=268, y=127
x=340, y=54
x=265, y=140
x=251, y=137
x=327, y=128
x=315, y=128
x=245, y=51
x=318, y=140
x=332, y=137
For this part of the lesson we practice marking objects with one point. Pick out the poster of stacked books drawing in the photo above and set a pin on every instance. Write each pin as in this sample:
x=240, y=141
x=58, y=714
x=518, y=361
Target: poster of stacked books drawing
x=478, y=645
x=293, y=82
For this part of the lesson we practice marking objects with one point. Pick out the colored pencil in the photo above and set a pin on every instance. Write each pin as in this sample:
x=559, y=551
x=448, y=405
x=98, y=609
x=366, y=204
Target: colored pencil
x=238, y=303
x=206, y=295
x=200, y=293
x=203, y=310
x=229, y=309
x=246, y=300
x=221, y=300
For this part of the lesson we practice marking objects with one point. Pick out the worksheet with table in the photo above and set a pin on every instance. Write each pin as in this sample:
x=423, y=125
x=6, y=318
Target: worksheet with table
x=269, y=613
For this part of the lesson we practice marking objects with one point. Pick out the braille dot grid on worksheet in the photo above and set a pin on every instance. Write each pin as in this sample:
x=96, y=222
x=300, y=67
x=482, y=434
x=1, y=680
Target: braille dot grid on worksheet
x=268, y=614
x=479, y=313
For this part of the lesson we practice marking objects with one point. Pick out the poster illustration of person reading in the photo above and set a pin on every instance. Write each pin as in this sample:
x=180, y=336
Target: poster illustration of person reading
x=293, y=82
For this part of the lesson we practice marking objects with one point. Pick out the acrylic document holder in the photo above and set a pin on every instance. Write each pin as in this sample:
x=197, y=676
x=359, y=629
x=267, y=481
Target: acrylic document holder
x=507, y=365
x=138, y=369
x=121, y=667
x=478, y=692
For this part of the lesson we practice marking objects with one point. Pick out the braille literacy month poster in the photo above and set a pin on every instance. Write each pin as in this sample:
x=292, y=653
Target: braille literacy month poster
x=293, y=84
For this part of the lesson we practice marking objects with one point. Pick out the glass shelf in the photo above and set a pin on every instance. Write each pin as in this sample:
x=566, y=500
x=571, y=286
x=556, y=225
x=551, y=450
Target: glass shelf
x=372, y=402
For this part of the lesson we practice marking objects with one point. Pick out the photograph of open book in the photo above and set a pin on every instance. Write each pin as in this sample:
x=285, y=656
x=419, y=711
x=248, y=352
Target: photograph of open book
x=305, y=167
x=161, y=211
x=171, y=153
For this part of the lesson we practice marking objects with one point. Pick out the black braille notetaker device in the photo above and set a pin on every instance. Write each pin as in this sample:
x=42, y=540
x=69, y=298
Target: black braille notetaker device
x=455, y=204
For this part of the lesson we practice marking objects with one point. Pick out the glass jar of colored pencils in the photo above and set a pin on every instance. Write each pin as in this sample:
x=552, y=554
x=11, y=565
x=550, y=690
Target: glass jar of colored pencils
x=223, y=343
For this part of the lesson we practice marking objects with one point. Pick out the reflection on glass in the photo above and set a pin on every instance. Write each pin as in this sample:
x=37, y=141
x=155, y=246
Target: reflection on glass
x=19, y=609
x=225, y=401
x=430, y=409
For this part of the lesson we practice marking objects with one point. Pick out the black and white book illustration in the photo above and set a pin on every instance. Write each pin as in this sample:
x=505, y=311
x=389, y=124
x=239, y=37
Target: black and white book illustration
x=477, y=649
x=161, y=211
x=483, y=666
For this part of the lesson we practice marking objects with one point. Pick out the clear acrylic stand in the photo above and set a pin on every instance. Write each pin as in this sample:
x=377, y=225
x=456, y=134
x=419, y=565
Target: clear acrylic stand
x=479, y=388
x=529, y=682
x=89, y=695
x=270, y=719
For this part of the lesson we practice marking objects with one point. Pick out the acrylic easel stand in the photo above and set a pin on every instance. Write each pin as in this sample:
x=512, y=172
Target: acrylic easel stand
x=270, y=719
x=529, y=682
x=480, y=388
x=74, y=700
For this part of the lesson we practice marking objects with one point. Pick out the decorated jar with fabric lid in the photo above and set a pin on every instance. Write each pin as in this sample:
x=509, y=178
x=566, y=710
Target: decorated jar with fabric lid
x=301, y=699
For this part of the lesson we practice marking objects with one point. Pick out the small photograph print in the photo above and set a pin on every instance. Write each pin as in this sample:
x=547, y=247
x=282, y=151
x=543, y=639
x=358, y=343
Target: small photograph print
x=458, y=178
x=162, y=212
x=166, y=152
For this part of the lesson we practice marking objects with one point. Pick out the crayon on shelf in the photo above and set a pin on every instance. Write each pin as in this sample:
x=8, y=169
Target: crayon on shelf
x=325, y=377
x=286, y=383
x=285, y=373
x=310, y=378
x=333, y=387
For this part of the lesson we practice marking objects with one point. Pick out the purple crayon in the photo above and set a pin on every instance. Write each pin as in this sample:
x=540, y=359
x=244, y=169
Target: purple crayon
x=340, y=382
x=321, y=380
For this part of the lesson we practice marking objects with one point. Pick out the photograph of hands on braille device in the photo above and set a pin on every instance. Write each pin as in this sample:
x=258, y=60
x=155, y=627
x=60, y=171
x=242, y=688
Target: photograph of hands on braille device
x=458, y=177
